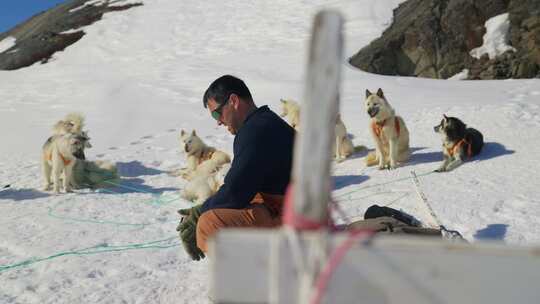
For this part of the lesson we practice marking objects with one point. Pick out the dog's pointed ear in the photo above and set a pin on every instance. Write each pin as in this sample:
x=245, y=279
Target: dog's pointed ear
x=380, y=93
x=368, y=93
x=445, y=117
x=282, y=100
x=182, y=132
x=193, y=133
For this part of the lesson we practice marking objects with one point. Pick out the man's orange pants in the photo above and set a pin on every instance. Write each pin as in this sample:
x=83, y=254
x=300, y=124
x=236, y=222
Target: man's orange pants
x=263, y=212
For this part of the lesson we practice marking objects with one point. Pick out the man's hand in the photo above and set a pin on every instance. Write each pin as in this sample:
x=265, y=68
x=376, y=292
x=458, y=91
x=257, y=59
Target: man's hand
x=188, y=231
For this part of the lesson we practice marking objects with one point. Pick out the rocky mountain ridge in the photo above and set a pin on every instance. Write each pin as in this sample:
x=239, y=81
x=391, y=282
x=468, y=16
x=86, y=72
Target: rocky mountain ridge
x=53, y=30
x=433, y=39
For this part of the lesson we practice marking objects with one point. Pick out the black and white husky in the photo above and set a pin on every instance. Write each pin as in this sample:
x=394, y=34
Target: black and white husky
x=459, y=142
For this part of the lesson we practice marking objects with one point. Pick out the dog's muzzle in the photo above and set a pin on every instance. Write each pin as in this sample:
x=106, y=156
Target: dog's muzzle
x=186, y=148
x=373, y=111
x=437, y=129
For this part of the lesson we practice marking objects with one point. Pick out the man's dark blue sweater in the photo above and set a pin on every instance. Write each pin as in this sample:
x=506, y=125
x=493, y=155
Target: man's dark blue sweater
x=263, y=151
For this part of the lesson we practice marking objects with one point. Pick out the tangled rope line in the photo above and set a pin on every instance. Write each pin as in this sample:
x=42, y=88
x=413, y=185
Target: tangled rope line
x=159, y=244
x=103, y=248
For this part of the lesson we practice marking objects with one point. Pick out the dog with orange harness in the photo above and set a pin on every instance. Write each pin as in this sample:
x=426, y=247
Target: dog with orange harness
x=201, y=158
x=59, y=156
x=459, y=142
x=389, y=132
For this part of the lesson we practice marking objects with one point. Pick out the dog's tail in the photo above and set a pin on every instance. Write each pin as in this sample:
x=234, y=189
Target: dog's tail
x=371, y=159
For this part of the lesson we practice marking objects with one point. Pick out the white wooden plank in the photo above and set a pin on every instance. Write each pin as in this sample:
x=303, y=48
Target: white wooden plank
x=389, y=270
x=239, y=266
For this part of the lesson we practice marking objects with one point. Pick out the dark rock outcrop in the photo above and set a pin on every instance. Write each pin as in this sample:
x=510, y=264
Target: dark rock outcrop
x=433, y=38
x=44, y=34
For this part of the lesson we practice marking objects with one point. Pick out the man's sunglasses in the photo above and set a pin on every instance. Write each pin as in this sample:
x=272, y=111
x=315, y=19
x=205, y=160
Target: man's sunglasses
x=217, y=112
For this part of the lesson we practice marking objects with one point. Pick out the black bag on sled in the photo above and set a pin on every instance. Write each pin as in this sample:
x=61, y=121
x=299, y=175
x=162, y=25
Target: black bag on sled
x=391, y=221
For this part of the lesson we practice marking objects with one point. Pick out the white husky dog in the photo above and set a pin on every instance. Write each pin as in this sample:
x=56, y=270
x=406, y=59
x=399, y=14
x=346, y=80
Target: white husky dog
x=389, y=133
x=200, y=155
x=343, y=146
x=58, y=157
x=290, y=109
x=203, y=185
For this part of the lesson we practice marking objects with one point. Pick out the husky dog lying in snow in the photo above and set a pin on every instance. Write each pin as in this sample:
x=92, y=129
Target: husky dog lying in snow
x=459, y=142
x=389, y=133
x=204, y=185
x=58, y=157
x=343, y=146
x=94, y=174
x=200, y=157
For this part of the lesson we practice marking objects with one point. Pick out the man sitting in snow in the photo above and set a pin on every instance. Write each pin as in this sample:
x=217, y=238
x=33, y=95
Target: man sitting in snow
x=252, y=195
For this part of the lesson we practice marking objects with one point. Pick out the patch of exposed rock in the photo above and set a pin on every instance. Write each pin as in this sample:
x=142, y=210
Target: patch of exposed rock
x=433, y=38
x=53, y=30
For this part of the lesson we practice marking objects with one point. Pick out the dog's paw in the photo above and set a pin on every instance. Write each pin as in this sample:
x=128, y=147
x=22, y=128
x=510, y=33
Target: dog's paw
x=177, y=172
x=188, y=176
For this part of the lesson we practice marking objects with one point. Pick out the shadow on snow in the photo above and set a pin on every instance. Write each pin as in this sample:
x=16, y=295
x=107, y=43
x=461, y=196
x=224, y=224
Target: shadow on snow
x=492, y=232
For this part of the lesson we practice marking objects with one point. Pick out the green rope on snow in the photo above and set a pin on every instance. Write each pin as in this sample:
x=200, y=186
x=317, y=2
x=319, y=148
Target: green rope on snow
x=103, y=248
x=159, y=244
x=154, y=201
x=157, y=200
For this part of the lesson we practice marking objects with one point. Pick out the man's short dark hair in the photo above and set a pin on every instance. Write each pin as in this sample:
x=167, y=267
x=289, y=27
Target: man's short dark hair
x=223, y=87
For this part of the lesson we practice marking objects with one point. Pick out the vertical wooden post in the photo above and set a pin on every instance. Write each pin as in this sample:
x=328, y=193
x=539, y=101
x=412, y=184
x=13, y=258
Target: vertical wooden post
x=312, y=155
x=314, y=144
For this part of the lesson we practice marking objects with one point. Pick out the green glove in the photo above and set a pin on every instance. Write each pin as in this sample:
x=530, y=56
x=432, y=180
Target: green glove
x=188, y=231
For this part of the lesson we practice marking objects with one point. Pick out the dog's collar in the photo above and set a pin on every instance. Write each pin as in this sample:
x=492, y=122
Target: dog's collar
x=378, y=126
x=381, y=123
x=207, y=156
